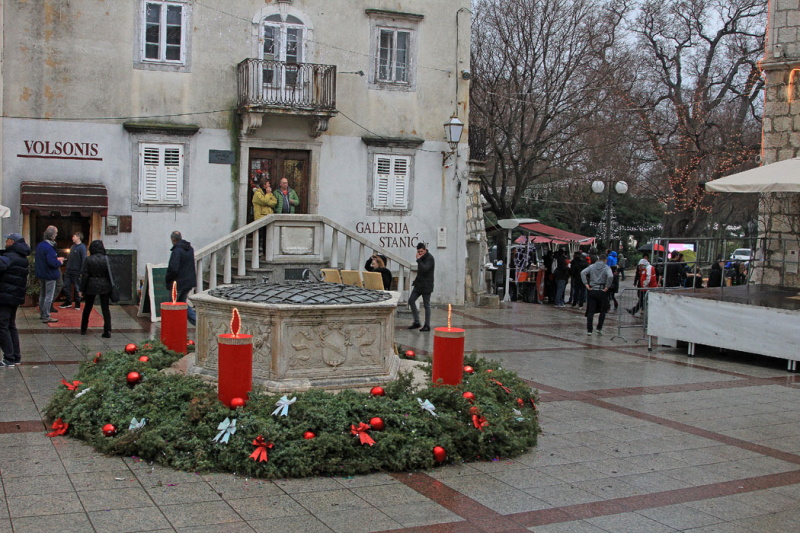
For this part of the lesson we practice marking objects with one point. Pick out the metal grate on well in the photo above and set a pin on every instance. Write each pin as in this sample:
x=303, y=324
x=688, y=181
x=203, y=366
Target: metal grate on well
x=300, y=293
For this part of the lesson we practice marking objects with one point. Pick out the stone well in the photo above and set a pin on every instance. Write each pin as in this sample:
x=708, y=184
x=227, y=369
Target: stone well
x=305, y=335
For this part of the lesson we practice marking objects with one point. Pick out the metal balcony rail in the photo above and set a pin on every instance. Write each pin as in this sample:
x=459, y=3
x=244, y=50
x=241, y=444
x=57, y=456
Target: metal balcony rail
x=301, y=86
x=477, y=143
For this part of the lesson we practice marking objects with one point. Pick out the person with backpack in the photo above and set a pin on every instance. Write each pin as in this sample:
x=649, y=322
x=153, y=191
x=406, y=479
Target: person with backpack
x=646, y=278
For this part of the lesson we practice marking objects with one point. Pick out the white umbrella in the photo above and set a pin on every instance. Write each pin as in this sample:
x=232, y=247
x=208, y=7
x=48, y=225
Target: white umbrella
x=782, y=176
x=4, y=212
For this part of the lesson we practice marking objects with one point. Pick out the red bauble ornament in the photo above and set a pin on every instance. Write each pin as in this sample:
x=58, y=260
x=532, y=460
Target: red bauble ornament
x=489, y=370
x=377, y=391
x=131, y=348
x=134, y=377
x=190, y=342
x=439, y=454
x=237, y=402
x=109, y=430
x=520, y=402
x=469, y=370
x=474, y=410
x=147, y=346
x=144, y=359
x=376, y=423
x=469, y=396
x=308, y=435
x=411, y=354
x=97, y=357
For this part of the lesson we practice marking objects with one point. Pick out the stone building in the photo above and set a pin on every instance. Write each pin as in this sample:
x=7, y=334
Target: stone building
x=779, y=220
x=128, y=119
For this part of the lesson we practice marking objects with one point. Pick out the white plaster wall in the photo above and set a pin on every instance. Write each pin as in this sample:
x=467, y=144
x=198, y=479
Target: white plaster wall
x=206, y=215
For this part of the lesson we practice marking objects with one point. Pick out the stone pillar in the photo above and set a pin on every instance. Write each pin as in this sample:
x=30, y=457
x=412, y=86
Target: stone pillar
x=779, y=214
x=477, y=247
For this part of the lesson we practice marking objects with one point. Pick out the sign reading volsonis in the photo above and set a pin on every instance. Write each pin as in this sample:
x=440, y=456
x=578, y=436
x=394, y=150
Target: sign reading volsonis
x=85, y=151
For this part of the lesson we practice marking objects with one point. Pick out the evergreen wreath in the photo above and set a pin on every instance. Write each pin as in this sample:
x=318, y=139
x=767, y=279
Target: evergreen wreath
x=183, y=417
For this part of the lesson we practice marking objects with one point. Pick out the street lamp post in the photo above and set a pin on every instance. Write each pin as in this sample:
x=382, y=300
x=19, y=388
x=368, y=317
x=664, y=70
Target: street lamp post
x=598, y=186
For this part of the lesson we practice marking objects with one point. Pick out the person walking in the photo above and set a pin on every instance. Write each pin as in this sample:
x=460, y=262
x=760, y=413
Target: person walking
x=72, y=277
x=48, y=270
x=597, y=278
x=646, y=278
x=561, y=275
x=13, y=279
x=181, y=269
x=287, y=198
x=95, y=281
x=264, y=203
x=577, y=289
x=422, y=286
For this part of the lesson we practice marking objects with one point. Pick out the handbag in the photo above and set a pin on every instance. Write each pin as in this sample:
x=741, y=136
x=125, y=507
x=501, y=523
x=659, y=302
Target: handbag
x=114, y=296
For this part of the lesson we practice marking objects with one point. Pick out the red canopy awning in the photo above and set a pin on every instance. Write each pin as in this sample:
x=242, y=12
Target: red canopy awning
x=64, y=198
x=551, y=234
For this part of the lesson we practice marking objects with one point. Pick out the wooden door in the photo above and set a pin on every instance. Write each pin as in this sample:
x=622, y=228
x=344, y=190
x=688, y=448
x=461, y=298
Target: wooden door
x=278, y=164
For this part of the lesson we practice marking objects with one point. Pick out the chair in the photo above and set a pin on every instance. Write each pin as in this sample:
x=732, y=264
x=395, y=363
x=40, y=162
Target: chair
x=372, y=280
x=331, y=275
x=352, y=277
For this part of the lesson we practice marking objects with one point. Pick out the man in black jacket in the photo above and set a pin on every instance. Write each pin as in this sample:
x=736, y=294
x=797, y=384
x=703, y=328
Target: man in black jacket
x=13, y=279
x=181, y=270
x=423, y=286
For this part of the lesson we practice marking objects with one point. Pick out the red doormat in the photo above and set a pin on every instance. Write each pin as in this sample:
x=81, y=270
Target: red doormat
x=71, y=318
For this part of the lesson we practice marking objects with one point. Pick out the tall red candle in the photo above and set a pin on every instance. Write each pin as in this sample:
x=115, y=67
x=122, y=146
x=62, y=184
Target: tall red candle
x=235, y=364
x=448, y=353
x=173, y=325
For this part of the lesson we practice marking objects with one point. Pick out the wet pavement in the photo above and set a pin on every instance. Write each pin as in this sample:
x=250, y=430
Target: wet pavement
x=633, y=441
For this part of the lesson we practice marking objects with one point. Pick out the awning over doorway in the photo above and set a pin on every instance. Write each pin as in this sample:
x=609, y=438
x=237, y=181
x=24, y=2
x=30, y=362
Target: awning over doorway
x=64, y=198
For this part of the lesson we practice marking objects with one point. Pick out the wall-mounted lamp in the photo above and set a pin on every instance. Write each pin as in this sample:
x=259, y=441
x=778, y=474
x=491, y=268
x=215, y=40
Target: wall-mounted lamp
x=453, y=129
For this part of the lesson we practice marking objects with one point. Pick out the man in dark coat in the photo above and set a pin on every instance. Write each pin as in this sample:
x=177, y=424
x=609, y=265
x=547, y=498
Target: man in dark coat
x=422, y=286
x=13, y=279
x=181, y=269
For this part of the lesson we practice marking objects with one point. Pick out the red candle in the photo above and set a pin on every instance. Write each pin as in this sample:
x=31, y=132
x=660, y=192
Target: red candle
x=235, y=365
x=448, y=353
x=173, y=325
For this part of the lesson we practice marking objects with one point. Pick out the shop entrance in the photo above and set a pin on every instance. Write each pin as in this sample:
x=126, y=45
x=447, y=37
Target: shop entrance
x=278, y=164
x=67, y=226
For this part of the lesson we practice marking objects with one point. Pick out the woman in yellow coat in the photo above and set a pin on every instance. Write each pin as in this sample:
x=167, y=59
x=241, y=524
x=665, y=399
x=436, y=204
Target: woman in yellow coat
x=263, y=204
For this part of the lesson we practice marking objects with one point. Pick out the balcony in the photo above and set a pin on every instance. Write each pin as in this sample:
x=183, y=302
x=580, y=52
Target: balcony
x=291, y=89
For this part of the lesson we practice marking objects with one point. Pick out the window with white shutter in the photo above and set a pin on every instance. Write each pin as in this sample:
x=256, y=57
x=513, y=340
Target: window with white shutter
x=161, y=174
x=390, y=189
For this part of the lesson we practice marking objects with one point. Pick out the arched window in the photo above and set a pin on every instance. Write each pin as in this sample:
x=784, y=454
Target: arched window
x=284, y=44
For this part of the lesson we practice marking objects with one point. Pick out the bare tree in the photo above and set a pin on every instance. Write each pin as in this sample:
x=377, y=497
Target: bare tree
x=541, y=69
x=696, y=95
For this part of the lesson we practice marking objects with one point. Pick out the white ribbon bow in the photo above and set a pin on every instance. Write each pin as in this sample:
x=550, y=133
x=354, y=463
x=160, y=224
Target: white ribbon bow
x=283, y=406
x=427, y=406
x=226, y=428
x=517, y=412
x=137, y=424
x=84, y=391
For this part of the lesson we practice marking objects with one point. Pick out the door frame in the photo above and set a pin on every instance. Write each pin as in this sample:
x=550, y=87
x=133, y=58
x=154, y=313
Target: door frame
x=315, y=149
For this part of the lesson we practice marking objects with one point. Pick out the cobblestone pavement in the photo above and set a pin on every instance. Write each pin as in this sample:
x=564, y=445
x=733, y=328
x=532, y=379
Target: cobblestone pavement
x=634, y=441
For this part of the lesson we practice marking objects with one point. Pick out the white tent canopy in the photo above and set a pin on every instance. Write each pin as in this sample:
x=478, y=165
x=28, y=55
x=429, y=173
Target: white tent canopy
x=782, y=176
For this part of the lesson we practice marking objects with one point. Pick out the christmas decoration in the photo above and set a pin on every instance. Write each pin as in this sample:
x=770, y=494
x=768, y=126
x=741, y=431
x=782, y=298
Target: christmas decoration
x=520, y=402
x=226, y=428
x=308, y=435
x=235, y=362
x=377, y=391
x=134, y=378
x=439, y=454
x=410, y=354
x=147, y=346
x=144, y=358
x=469, y=370
x=474, y=410
x=376, y=423
x=131, y=348
x=59, y=427
x=427, y=406
x=469, y=396
x=174, y=322
x=109, y=430
x=97, y=357
x=479, y=422
x=71, y=386
x=82, y=392
x=283, y=406
x=190, y=342
x=448, y=353
x=500, y=385
x=260, y=455
x=360, y=431
x=137, y=424
x=489, y=370
x=237, y=403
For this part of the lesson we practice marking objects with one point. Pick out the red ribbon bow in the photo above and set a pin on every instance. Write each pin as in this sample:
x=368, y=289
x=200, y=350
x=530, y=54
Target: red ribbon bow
x=501, y=385
x=59, y=428
x=533, y=404
x=479, y=422
x=71, y=386
x=260, y=454
x=361, y=432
